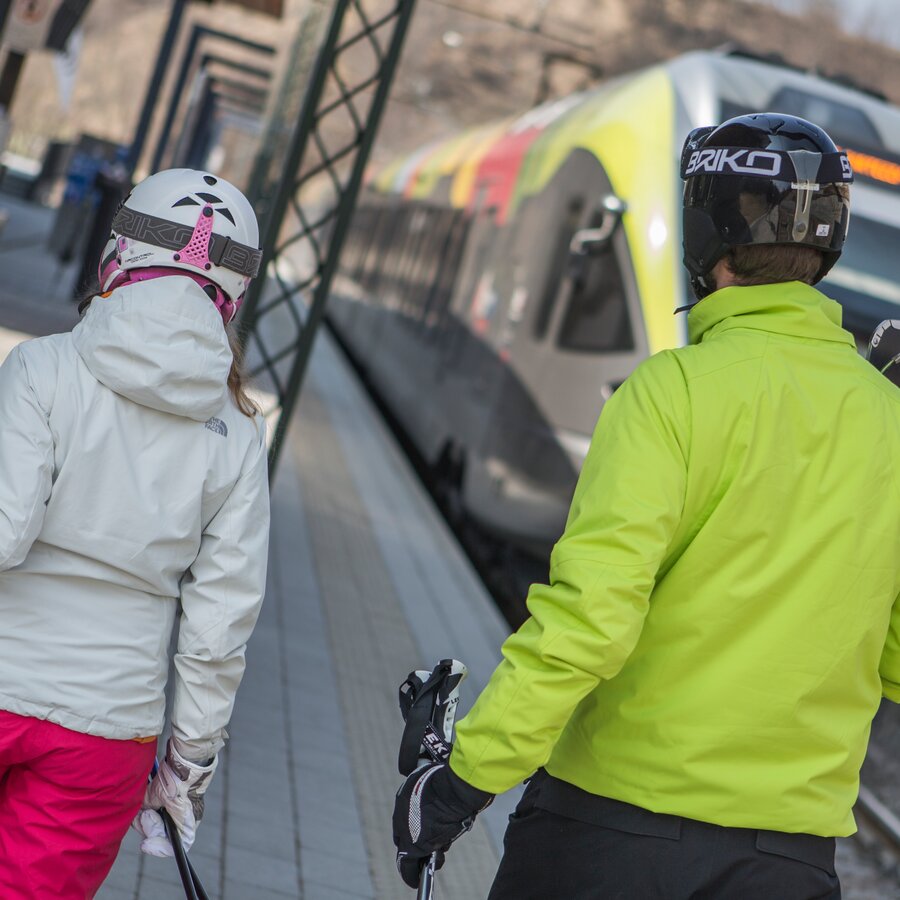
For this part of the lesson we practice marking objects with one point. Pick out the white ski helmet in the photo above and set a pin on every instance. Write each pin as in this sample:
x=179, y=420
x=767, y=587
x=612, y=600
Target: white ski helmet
x=190, y=220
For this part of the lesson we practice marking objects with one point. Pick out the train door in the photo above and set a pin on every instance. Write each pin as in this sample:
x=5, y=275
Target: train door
x=575, y=332
x=587, y=331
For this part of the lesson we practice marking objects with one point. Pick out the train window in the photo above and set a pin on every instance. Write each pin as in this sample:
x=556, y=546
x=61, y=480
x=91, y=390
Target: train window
x=556, y=269
x=449, y=266
x=358, y=239
x=443, y=252
x=423, y=227
x=597, y=320
x=844, y=123
x=388, y=229
x=426, y=272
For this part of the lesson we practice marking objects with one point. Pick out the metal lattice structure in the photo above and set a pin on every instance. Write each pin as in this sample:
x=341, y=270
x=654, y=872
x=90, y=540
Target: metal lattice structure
x=307, y=217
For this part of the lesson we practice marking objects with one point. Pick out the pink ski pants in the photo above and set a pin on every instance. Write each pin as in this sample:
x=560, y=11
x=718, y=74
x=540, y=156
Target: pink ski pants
x=66, y=801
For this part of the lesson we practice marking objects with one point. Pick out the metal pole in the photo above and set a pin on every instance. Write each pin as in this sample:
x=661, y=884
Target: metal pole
x=299, y=140
x=9, y=77
x=200, y=134
x=156, y=80
x=300, y=50
x=342, y=222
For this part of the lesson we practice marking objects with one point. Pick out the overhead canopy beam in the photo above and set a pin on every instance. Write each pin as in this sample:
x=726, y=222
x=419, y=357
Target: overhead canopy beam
x=197, y=34
x=246, y=68
x=269, y=7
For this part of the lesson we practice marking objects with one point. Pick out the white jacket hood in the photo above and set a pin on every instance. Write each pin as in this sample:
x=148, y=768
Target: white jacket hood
x=159, y=343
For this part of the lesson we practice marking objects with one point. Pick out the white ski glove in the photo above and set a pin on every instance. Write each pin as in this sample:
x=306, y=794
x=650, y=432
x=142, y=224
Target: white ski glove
x=178, y=787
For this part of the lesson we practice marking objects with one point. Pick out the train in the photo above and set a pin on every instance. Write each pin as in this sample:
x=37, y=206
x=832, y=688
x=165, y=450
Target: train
x=496, y=287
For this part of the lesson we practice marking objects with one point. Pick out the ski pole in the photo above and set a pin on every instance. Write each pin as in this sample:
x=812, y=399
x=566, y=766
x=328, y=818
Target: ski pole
x=884, y=349
x=426, y=879
x=428, y=703
x=193, y=889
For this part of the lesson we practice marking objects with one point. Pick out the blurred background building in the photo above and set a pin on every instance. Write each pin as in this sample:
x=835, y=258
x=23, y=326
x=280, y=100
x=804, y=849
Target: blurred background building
x=465, y=62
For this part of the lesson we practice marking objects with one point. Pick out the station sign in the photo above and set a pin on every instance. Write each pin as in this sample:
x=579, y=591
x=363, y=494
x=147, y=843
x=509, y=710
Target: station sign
x=874, y=168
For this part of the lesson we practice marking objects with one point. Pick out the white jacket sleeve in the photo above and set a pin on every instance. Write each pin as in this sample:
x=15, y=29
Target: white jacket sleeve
x=26, y=461
x=221, y=597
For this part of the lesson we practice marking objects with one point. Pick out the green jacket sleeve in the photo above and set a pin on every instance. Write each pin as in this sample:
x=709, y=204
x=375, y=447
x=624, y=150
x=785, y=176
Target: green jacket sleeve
x=890, y=658
x=585, y=623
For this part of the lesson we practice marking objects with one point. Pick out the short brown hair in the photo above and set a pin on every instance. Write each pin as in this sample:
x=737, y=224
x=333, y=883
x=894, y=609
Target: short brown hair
x=772, y=263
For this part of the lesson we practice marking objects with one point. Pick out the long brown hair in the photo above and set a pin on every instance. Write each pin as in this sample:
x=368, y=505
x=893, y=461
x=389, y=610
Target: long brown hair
x=236, y=381
x=236, y=377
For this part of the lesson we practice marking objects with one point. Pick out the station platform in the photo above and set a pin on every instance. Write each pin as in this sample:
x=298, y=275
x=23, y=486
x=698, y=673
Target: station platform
x=365, y=584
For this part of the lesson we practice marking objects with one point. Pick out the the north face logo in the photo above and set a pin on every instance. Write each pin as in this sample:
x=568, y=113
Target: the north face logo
x=217, y=425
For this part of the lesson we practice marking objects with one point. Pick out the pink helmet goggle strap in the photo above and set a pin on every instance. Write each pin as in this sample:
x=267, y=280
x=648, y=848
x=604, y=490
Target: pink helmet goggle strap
x=220, y=250
x=224, y=304
x=110, y=265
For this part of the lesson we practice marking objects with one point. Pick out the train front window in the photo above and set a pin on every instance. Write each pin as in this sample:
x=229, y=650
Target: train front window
x=597, y=319
x=866, y=279
x=844, y=123
x=556, y=269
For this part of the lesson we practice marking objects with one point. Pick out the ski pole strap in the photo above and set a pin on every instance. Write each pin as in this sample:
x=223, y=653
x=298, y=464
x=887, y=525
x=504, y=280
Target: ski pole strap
x=193, y=889
x=884, y=349
x=418, y=696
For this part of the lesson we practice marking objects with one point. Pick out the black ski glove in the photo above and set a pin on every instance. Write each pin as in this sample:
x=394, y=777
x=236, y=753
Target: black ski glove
x=433, y=808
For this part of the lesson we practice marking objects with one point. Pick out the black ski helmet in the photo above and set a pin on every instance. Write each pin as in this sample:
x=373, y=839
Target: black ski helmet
x=764, y=178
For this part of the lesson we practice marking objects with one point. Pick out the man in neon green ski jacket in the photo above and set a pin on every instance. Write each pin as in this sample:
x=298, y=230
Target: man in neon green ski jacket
x=695, y=686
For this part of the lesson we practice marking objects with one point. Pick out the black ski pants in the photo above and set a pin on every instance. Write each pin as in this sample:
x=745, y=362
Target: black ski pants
x=565, y=844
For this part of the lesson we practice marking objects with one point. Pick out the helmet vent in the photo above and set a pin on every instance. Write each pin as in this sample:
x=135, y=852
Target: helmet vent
x=209, y=198
x=227, y=214
x=186, y=201
x=210, y=180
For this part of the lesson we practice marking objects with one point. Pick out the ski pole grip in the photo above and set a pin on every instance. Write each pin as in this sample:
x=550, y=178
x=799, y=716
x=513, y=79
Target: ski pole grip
x=884, y=349
x=428, y=702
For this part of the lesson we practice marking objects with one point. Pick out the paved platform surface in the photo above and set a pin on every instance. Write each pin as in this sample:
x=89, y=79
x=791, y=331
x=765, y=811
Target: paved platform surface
x=365, y=584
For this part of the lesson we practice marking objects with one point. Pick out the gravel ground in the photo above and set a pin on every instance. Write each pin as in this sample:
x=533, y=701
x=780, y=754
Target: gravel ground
x=881, y=770
x=862, y=878
x=866, y=869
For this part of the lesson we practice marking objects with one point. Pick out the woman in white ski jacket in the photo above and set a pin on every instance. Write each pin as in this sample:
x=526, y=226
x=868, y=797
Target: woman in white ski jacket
x=133, y=500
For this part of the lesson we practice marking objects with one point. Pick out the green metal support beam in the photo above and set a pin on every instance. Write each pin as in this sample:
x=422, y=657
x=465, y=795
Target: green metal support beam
x=282, y=314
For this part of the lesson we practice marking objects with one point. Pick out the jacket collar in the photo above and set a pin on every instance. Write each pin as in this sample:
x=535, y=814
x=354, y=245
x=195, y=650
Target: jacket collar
x=790, y=308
